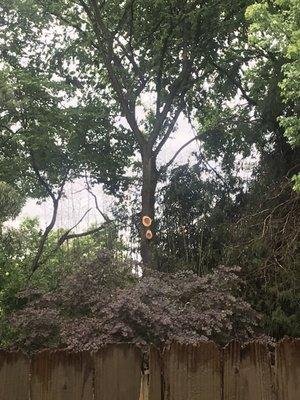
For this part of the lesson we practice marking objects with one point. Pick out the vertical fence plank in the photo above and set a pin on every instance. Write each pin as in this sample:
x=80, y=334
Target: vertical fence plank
x=155, y=374
x=231, y=365
x=192, y=372
x=256, y=380
x=288, y=369
x=144, y=393
x=14, y=376
x=247, y=372
x=118, y=372
x=60, y=375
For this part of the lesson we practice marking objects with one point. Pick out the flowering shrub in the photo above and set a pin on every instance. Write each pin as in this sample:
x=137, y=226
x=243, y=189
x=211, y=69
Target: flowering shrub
x=105, y=302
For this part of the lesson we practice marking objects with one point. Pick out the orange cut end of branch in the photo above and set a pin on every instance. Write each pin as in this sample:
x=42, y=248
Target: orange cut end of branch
x=147, y=221
x=149, y=234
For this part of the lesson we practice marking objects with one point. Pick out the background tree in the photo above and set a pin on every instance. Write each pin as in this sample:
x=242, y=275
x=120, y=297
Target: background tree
x=54, y=128
x=275, y=29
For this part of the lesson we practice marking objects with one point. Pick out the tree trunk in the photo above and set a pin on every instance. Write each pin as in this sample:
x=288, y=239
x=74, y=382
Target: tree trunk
x=150, y=177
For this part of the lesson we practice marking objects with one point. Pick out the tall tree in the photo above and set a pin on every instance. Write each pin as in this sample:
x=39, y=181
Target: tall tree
x=154, y=53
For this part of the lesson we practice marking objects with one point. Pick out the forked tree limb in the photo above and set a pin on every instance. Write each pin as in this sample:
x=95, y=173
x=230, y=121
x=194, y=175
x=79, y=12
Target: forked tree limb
x=165, y=167
x=69, y=236
x=89, y=189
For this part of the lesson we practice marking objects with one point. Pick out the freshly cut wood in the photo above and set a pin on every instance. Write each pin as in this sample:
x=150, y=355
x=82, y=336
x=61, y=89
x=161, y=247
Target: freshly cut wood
x=118, y=372
x=247, y=372
x=61, y=375
x=14, y=376
x=288, y=369
x=193, y=372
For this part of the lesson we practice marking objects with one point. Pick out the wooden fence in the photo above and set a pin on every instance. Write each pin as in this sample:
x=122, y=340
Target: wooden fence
x=117, y=372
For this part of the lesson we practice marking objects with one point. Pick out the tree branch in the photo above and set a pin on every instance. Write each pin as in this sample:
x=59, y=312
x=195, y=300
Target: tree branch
x=68, y=236
x=170, y=162
x=39, y=177
x=109, y=56
x=36, y=262
x=160, y=72
x=178, y=85
x=104, y=216
x=169, y=130
x=164, y=168
x=237, y=82
x=55, y=201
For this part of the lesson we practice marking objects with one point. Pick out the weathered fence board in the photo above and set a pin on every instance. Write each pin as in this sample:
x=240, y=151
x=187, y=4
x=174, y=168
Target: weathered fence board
x=193, y=372
x=118, y=372
x=288, y=369
x=14, y=376
x=247, y=372
x=179, y=372
x=144, y=392
x=155, y=375
x=61, y=375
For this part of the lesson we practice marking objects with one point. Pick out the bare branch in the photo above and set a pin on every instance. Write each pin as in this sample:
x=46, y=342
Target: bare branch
x=177, y=88
x=164, y=168
x=86, y=233
x=88, y=188
x=131, y=59
x=69, y=236
x=7, y=128
x=160, y=71
x=7, y=139
x=170, y=162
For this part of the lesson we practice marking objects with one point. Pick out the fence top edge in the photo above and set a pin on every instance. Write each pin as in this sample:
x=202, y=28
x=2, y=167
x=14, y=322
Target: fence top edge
x=285, y=341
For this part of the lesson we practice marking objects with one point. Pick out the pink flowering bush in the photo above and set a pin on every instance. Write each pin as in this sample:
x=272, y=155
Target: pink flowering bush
x=105, y=302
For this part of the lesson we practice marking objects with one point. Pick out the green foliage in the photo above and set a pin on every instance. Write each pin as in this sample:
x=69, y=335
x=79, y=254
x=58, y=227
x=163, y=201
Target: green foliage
x=192, y=227
x=10, y=202
x=265, y=241
x=17, y=250
x=275, y=27
x=53, y=116
x=296, y=182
